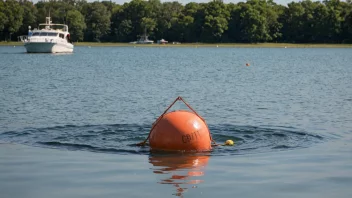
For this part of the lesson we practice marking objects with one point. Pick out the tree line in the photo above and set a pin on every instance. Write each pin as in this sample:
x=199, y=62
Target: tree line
x=253, y=21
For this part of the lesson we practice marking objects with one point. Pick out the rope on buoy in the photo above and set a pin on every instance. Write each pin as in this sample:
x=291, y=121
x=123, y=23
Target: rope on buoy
x=162, y=115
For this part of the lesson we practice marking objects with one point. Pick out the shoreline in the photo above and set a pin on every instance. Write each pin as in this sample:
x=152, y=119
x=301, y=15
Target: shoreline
x=227, y=45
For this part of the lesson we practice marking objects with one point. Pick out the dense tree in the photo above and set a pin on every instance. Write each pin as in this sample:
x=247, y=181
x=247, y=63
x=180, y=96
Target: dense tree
x=57, y=10
x=348, y=27
x=29, y=16
x=253, y=25
x=98, y=21
x=124, y=30
x=14, y=14
x=327, y=21
x=334, y=21
x=75, y=21
x=148, y=24
x=293, y=23
x=215, y=21
x=168, y=17
x=3, y=17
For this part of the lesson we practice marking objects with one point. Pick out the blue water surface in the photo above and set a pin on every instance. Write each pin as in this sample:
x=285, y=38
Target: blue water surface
x=289, y=112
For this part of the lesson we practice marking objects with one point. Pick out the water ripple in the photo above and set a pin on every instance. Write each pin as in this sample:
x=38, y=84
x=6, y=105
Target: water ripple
x=121, y=138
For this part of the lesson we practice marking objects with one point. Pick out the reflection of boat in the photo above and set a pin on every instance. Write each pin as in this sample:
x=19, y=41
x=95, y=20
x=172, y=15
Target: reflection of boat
x=48, y=38
x=179, y=170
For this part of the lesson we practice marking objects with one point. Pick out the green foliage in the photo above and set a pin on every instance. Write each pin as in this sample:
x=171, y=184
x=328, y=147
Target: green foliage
x=215, y=21
x=3, y=17
x=309, y=21
x=167, y=18
x=14, y=14
x=29, y=16
x=75, y=20
x=135, y=11
x=254, y=25
x=98, y=21
x=348, y=27
x=148, y=24
x=124, y=30
x=327, y=21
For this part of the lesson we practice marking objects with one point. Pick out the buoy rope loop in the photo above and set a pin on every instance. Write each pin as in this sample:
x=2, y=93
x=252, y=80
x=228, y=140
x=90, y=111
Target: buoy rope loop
x=156, y=122
x=211, y=138
x=162, y=115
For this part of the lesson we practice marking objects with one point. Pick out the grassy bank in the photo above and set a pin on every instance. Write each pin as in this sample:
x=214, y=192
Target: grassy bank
x=2, y=43
x=258, y=45
x=263, y=45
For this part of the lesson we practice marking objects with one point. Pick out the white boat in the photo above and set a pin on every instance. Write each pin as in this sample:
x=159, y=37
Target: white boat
x=48, y=38
x=162, y=41
x=144, y=40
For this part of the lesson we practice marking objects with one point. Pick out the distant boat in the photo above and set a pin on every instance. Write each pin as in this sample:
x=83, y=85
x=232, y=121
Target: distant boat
x=144, y=40
x=162, y=41
x=48, y=38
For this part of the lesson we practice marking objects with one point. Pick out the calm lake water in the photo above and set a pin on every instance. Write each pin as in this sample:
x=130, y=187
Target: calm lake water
x=68, y=122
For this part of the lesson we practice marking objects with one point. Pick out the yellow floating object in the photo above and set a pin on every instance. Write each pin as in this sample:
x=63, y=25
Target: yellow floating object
x=229, y=143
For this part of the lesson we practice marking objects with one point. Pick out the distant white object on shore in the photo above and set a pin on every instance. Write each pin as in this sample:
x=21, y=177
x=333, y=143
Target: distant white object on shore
x=144, y=40
x=162, y=41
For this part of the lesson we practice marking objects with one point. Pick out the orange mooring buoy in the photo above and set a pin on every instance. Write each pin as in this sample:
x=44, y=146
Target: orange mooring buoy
x=180, y=131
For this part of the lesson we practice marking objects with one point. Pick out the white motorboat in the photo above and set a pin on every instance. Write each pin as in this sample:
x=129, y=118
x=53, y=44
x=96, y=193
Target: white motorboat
x=162, y=41
x=48, y=38
x=144, y=40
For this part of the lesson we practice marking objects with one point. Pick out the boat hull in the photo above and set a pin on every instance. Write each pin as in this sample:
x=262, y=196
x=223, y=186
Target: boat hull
x=45, y=47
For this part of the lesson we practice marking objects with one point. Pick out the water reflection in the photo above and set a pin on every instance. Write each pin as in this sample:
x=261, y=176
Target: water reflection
x=183, y=171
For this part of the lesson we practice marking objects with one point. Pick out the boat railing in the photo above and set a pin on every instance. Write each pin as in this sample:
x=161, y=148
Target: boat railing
x=26, y=38
x=23, y=38
x=58, y=27
x=47, y=40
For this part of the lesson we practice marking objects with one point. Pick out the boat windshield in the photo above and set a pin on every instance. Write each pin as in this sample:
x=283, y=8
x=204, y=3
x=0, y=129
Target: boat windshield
x=48, y=34
x=52, y=34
